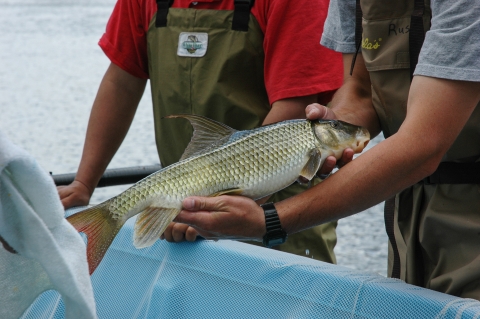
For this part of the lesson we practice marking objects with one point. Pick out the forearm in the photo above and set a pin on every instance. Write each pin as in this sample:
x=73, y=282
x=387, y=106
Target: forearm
x=352, y=103
x=363, y=183
x=437, y=111
x=287, y=109
x=112, y=113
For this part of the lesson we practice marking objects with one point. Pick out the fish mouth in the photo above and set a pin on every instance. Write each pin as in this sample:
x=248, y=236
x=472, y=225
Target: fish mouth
x=362, y=141
x=361, y=144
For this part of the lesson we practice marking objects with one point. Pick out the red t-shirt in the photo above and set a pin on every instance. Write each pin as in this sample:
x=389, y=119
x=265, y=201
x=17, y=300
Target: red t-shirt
x=295, y=62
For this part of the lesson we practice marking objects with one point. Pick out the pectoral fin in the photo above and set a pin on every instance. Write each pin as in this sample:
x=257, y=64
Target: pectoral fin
x=151, y=223
x=230, y=191
x=313, y=164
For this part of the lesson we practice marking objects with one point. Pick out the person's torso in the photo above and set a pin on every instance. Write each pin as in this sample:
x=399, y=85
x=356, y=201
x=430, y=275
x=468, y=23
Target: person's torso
x=386, y=51
x=431, y=226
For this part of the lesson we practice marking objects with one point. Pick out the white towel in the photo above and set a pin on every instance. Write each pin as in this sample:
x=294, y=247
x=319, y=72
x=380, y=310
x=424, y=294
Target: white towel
x=50, y=252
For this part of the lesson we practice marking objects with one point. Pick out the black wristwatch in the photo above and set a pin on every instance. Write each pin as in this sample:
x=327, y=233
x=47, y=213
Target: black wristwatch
x=275, y=234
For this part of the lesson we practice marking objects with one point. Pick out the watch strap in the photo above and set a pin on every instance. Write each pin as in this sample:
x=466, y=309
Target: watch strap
x=275, y=235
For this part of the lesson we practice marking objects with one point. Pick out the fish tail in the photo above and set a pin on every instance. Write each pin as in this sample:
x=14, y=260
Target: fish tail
x=99, y=226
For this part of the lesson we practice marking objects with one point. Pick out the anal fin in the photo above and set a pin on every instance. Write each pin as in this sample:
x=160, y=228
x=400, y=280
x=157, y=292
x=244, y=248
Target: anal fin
x=151, y=223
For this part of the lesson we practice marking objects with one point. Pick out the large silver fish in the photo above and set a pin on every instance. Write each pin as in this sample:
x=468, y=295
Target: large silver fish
x=219, y=160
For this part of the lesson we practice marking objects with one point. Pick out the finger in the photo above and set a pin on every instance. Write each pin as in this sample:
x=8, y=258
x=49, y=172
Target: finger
x=198, y=219
x=68, y=201
x=178, y=232
x=191, y=234
x=346, y=158
x=328, y=165
x=196, y=204
x=63, y=191
x=75, y=199
x=317, y=111
x=167, y=234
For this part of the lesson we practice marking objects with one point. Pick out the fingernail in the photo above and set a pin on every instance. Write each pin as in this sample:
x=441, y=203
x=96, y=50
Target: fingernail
x=188, y=203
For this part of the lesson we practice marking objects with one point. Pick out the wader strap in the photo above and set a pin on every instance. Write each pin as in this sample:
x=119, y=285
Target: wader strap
x=358, y=33
x=455, y=173
x=417, y=34
x=389, y=213
x=162, y=12
x=241, y=14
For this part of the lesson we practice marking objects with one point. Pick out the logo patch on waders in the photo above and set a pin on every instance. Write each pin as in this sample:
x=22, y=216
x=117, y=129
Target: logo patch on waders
x=192, y=44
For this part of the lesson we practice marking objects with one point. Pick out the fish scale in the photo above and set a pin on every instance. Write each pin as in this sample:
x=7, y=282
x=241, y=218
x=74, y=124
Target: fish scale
x=219, y=160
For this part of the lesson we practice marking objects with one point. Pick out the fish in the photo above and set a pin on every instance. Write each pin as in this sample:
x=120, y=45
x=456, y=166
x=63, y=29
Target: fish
x=219, y=160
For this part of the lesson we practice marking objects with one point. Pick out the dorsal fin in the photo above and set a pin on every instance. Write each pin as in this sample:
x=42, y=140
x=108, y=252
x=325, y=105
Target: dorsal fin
x=207, y=134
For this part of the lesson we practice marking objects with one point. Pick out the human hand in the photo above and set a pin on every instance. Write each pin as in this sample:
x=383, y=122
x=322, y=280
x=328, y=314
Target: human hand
x=317, y=111
x=75, y=194
x=226, y=217
x=177, y=232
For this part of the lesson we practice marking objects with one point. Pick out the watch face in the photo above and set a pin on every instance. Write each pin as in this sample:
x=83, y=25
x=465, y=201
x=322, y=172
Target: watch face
x=276, y=241
x=274, y=238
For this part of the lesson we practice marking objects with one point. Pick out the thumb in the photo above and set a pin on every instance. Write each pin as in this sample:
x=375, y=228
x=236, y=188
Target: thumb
x=195, y=204
x=317, y=111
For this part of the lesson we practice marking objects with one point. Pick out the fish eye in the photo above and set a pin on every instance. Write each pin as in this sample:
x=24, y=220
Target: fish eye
x=334, y=124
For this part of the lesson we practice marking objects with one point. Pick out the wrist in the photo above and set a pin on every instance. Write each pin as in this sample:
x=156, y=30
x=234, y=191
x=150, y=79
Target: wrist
x=274, y=235
x=88, y=188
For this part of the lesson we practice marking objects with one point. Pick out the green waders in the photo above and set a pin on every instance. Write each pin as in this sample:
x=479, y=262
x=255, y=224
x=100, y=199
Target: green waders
x=199, y=65
x=435, y=230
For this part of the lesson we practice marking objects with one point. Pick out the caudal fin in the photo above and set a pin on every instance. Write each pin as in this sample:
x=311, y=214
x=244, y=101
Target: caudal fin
x=96, y=222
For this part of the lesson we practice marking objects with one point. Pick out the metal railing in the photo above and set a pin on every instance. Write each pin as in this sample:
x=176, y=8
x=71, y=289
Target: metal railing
x=114, y=176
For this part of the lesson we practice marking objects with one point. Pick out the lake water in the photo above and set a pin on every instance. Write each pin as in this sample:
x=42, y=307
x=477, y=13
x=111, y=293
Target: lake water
x=50, y=70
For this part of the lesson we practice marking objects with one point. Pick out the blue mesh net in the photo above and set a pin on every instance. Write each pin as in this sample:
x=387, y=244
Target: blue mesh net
x=228, y=279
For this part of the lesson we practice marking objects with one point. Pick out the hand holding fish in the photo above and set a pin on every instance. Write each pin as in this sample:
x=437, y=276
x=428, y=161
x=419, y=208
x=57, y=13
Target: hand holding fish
x=177, y=232
x=237, y=217
x=317, y=111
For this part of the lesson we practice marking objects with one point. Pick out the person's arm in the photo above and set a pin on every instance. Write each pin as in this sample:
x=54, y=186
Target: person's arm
x=288, y=109
x=111, y=116
x=437, y=110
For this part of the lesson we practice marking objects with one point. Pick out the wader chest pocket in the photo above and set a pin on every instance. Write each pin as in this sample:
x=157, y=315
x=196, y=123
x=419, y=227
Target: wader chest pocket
x=385, y=44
